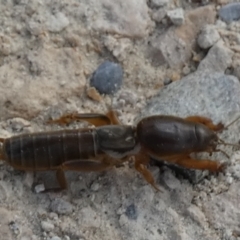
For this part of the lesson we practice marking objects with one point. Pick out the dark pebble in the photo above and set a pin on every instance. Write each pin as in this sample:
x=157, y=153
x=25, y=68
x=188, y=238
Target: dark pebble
x=131, y=212
x=230, y=12
x=167, y=81
x=108, y=78
x=194, y=176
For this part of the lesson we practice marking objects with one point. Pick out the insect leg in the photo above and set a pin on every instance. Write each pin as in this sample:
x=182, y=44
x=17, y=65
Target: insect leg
x=113, y=117
x=203, y=164
x=1, y=150
x=78, y=165
x=93, y=118
x=206, y=121
x=141, y=160
x=61, y=179
x=85, y=166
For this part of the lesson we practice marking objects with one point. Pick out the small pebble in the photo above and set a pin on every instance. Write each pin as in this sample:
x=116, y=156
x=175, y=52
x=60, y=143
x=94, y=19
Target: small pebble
x=42, y=213
x=35, y=28
x=14, y=227
x=28, y=180
x=53, y=216
x=47, y=226
x=167, y=81
x=159, y=15
x=176, y=16
x=95, y=186
x=128, y=97
x=107, y=79
x=61, y=206
x=56, y=23
x=208, y=37
x=55, y=238
x=26, y=238
x=186, y=70
x=230, y=12
x=171, y=181
x=39, y=188
x=196, y=214
x=131, y=212
x=18, y=124
x=159, y=3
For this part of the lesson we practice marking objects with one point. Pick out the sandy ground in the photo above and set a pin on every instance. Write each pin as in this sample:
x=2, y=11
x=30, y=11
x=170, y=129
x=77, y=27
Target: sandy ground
x=176, y=63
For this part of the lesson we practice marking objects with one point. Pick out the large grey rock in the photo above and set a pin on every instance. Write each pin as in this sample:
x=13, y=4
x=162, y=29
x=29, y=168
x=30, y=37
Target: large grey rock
x=230, y=12
x=218, y=59
x=209, y=94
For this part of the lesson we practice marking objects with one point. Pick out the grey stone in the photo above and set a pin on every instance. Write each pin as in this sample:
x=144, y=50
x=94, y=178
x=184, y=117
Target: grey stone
x=56, y=23
x=230, y=12
x=55, y=238
x=95, y=187
x=171, y=181
x=60, y=206
x=218, y=59
x=39, y=188
x=158, y=15
x=47, y=226
x=108, y=78
x=160, y=3
x=213, y=95
x=131, y=212
x=176, y=16
x=196, y=214
x=208, y=37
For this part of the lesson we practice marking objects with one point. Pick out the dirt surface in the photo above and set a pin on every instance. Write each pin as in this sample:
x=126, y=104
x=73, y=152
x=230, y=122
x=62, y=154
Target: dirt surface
x=177, y=58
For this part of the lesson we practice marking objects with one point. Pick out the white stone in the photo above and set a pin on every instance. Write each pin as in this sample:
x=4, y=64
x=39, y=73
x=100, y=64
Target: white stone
x=176, y=16
x=47, y=226
x=159, y=3
x=39, y=188
x=159, y=15
x=56, y=23
x=208, y=37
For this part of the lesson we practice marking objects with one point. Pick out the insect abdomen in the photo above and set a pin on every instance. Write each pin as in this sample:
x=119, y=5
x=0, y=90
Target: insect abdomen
x=45, y=151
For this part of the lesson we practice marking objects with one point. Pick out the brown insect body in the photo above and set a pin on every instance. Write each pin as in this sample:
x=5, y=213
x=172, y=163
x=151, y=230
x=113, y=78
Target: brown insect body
x=77, y=150
x=169, y=135
x=166, y=138
x=49, y=150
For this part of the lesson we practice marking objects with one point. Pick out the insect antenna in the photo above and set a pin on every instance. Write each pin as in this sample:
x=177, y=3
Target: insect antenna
x=223, y=152
x=227, y=126
x=221, y=142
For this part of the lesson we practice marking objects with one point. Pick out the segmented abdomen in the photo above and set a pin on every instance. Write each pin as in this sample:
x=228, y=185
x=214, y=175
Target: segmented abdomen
x=49, y=150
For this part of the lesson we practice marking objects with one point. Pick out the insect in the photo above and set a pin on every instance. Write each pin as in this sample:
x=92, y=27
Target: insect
x=161, y=137
x=76, y=150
